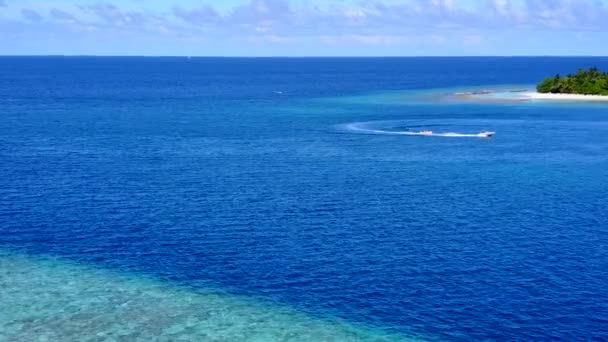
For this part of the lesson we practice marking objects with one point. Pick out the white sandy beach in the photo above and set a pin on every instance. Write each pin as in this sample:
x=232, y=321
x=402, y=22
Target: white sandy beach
x=569, y=97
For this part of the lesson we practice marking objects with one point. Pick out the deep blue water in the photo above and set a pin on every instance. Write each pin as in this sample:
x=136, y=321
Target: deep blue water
x=238, y=174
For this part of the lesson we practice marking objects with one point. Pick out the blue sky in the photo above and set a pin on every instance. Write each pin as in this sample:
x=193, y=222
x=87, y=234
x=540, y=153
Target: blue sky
x=304, y=27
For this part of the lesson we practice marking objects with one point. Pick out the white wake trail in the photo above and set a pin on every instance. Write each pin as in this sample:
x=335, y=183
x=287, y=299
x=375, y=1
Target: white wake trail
x=362, y=127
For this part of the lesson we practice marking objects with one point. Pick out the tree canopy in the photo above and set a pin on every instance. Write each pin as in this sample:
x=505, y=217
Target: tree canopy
x=588, y=82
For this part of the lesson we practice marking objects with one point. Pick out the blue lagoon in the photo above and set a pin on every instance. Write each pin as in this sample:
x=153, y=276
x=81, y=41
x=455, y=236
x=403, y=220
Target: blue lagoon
x=227, y=199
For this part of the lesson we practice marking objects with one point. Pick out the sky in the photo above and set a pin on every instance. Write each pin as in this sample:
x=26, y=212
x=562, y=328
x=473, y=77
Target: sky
x=304, y=27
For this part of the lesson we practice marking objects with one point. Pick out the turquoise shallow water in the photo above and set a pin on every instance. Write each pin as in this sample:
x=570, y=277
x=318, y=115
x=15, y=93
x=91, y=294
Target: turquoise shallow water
x=55, y=300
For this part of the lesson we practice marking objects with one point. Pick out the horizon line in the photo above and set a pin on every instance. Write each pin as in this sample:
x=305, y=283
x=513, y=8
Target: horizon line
x=311, y=56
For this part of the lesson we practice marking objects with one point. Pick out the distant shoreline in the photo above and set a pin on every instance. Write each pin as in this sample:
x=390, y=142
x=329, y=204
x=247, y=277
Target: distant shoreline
x=577, y=97
x=523, y=95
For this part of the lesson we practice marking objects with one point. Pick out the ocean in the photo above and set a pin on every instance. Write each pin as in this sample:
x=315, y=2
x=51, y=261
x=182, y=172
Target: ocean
x=267, y=199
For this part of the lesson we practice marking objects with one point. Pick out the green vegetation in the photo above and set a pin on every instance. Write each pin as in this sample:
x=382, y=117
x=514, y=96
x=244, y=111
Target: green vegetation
x=588, y=82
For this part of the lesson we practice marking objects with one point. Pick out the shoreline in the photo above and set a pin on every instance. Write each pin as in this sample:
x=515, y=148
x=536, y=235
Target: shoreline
x=577, y=97
x=522, y=95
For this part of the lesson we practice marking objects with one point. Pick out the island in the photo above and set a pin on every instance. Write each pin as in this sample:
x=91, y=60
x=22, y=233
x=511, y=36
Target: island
x=584, y=85
x=583, y=82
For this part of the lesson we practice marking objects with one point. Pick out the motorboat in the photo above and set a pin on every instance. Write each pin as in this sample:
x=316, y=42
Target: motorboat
x=486, y=134
x=426, y=132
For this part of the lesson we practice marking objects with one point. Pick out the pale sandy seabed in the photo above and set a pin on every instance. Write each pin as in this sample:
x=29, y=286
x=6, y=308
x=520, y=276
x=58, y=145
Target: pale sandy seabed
x=49, y=300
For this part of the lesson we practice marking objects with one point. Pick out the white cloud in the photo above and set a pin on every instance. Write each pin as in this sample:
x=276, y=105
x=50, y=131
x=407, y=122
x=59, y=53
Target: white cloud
x=205, y=15
x=61, y=15
x=436, y=38
x=114, y=15
x=272, y=39
x=31, y=15
x=472, y=39
x=363, y=39
x=374, y=22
